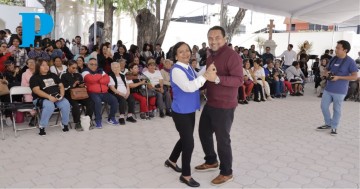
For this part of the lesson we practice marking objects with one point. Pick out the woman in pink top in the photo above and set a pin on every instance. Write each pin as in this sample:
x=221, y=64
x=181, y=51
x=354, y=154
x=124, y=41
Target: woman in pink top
x=25, y=78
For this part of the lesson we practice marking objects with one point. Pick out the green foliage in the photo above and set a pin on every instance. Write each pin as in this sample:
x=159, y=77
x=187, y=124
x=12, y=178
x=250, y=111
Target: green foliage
x=13, y=2
x=130, y=6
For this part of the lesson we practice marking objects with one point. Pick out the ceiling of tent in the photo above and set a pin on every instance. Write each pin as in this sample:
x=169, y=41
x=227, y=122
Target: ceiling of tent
x=325, y=12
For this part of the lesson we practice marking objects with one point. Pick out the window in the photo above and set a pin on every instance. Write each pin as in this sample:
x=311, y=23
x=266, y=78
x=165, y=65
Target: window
x=292, y=27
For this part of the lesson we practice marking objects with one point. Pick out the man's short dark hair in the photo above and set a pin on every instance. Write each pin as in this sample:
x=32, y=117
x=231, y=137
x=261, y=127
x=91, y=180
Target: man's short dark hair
x=218, y=28
x=345, y=44
x=93, y=59
x=290, y=45
x=158, y=44
x=77, y=37
x=2, y=32
x=327, y=51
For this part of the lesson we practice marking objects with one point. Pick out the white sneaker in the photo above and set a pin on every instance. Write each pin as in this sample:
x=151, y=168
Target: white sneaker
x=269, y=98
x=8, y=121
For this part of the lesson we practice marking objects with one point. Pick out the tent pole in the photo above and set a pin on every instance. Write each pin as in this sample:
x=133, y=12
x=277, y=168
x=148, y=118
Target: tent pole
x=290, y=29
x=333, y=36
x=95, y=20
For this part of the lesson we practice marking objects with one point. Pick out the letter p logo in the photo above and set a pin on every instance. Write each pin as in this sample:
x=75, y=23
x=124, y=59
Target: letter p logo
x=28, y=26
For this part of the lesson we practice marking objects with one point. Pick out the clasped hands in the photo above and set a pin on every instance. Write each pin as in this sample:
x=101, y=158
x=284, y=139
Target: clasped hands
x=210, y=73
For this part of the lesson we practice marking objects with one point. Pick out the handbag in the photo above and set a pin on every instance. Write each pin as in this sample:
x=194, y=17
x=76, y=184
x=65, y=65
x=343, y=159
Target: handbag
x=4, y=89
x=147, y=93
x=79, y=93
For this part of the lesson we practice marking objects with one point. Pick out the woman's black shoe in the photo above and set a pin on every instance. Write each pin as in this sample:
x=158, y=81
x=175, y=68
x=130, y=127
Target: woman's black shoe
x=257, y=100
x=191, y=182
x=176, y=168
x=246, y=102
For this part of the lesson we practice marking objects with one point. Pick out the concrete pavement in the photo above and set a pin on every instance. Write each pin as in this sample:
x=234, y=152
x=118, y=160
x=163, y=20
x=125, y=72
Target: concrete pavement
x=275, y=145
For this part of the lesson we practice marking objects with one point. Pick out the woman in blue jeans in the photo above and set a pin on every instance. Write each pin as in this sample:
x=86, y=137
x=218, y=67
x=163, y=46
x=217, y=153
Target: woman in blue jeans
x=48, y=93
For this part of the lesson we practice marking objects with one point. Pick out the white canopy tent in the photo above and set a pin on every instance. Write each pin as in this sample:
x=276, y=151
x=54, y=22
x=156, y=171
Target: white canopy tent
x=324, y=12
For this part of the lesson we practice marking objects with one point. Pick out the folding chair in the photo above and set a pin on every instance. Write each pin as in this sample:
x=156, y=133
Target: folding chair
x=18, y=90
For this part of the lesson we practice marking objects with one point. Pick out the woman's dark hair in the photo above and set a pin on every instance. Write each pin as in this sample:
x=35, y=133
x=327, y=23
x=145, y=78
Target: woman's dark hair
x=95, y=47
x=122, y=46
x=295, y=63
x=327, y=60
x=258, y=61
x=176, y=46
x=27, y=61
x=245, y=61
x=131, y=66
x=345, y=44
x=133, y=48
x=38, y=63
x=56, y=58
x=101, y=48
x=7, y=31
x=71, y=62
x=82, y=58
x=218, y=28
x=85, y=47
x=145, y=45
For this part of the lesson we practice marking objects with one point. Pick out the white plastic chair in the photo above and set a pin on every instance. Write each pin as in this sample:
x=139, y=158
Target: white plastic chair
x=19, y=90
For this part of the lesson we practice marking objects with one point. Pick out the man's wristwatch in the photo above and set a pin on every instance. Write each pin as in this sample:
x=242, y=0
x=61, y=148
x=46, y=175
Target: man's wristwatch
x=217, y=80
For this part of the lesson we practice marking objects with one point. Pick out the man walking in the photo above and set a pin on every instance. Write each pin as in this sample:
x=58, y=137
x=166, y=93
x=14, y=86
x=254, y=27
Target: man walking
x=341, y=70
x=218, y=113
x=289, y=56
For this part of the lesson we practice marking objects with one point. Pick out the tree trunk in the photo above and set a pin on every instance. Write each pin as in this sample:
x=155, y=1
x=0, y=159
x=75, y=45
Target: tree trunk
x=145, y=22
x=108, y=20
x=223, y=15
x=50, y=8
x=233, y=28
x=158, y=16
x=169, y=10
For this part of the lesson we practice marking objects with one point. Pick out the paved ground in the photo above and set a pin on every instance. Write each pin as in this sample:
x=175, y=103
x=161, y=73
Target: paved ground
x=275, y=145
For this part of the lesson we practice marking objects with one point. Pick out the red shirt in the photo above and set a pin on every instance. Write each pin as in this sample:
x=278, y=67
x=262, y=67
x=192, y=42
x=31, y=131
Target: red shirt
x=230, y=72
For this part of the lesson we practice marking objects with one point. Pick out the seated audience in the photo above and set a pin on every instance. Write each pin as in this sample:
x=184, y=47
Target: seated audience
x=48, y=92
x=245, y=90
x=97, y=81
x=163, y=98
x=136, y=82
x=71, y=79
x=296, y=77
x=121, y=91
x=25, y=82
x=58, y=68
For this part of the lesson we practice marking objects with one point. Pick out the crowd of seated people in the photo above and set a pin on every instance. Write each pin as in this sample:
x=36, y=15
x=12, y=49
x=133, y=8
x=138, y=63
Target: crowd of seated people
x=121, y=79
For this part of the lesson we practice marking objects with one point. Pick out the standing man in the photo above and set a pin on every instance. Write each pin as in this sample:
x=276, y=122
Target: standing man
x=76, y=47
x=340, y=70
x=290, y=57
x=267, y=55
x=218, y=113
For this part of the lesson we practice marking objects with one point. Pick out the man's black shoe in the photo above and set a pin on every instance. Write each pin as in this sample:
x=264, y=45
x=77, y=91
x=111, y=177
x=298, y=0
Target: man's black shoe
x=122, y=121
x=42, y=132
x=66, y=128
x=333, y=132
x=191, y=182
x=323, y=127
x=32, y=122
x=151, y=114
x=162, y=114
x=131, y=119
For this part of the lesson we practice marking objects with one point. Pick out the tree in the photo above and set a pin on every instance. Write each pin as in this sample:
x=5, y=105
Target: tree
x=148, y=25
x=143, y=26
x=13, y=2
x=231, y=27
x=50, y=8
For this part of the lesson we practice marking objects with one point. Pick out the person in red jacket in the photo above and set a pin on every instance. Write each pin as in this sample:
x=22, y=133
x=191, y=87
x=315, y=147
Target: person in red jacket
x=218, y=113
x=97, y=81
x=4, y=56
